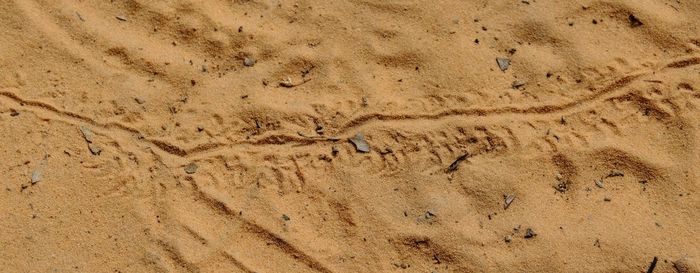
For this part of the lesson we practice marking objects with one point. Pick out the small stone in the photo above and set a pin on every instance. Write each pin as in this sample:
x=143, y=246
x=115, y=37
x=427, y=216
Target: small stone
x=79, y=16
x=634, y=21
x=87, y=133
x=429, y=214
x=360, y=144
x=287, y=83
x=285, y=217
x=191, y=168
x=562, y=186
x=249, y=61
x=94, y=149
x=615, y=173
x=387, y=150
x=36, y=176
x=140, y=100
x=319, y=129
x=607, y=199
x=599, y=183
x=508, y=200
x=503, y=63
x=121, y=17
x=14, y=113
x=517, y=84
x=205, y=68
x=529, y=233
x=683, y=265
x=508, y=238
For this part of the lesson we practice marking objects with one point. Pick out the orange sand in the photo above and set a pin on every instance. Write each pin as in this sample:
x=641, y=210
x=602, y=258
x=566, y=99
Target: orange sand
x=201, y=161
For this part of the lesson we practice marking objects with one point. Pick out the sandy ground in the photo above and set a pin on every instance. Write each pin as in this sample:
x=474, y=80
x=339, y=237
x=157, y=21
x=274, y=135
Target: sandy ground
x=213, y=136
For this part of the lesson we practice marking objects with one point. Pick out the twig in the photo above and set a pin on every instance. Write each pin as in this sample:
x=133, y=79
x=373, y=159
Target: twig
x=455, y=164
x=652, y=265
x=288, y=83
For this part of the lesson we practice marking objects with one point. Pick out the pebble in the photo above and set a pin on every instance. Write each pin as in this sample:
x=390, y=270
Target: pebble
x=683, y=265
x=599, y=183
x=319, y=129
x=360, y=144
x=634, y=21
x=94, y=149
x=121, y=17
x=508, y=238
x=287, y=83
x=191, y=168
x=87, y=133
x=36, y=176
x=503, y=63
x=508, y=200
x=615, y=173
x=517, y=84
x=529, y=233
x=249, y=61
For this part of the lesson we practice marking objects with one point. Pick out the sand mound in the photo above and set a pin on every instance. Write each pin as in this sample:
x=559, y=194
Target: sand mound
x=213, y=136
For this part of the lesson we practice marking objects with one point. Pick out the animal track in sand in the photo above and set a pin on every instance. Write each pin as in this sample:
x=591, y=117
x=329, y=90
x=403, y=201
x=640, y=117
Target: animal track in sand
x=544, y=112
x=166, y=86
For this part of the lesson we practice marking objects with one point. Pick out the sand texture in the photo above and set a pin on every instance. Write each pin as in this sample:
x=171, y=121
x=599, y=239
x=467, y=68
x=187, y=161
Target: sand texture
x=349, y=136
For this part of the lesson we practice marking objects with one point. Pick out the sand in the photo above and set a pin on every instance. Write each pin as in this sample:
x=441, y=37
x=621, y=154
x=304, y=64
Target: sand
x=213, y=136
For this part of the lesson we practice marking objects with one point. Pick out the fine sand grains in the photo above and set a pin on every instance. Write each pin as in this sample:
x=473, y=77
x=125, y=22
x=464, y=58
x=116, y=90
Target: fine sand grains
x=349, y=136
